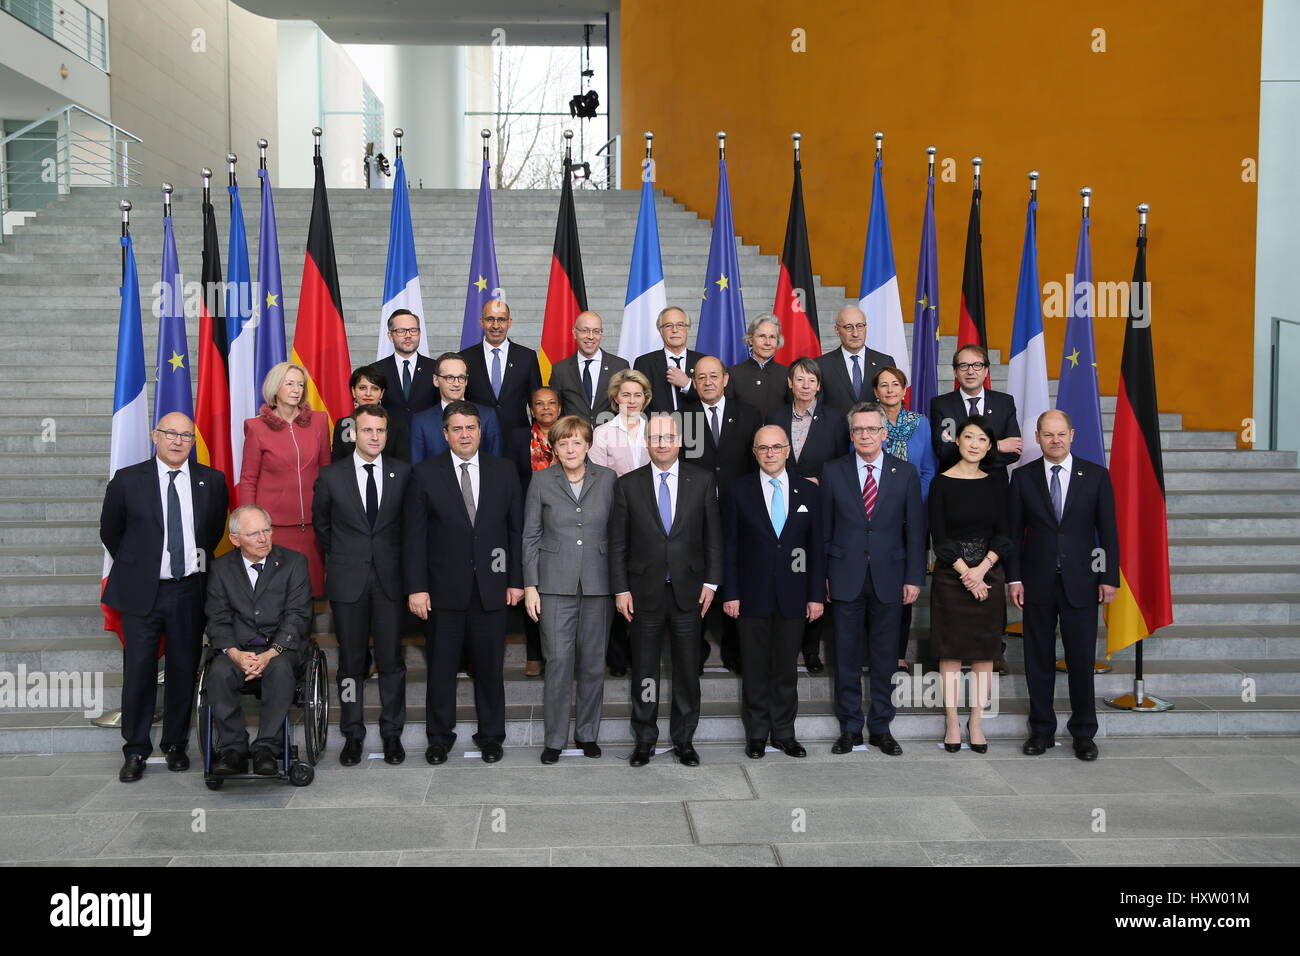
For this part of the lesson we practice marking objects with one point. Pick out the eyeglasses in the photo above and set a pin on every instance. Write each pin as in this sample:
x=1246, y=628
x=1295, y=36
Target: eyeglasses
x=183, y=437
x=497, y=319
x=859, y=327
x=768, y=449
x=453, y=379
x=675, y=325
x=971, y=366
x=662, y=440
x=867, y=430
x=589, y=331
x=415, y=331
x=261, y=533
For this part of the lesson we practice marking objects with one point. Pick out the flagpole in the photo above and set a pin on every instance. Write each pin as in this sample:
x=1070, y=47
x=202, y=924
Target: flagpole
x=722, y=145
x=167, y=200
x=261, y=150
x=486, y=134
x=880, y=144
x=930, y=151
x=398, y=133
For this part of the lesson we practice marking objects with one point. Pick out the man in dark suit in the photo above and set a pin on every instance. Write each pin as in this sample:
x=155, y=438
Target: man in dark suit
x=160, y=522
x=665, y=563
x=461, y=559
x=671, y=368
x=875, y=563
x=357, y=513
x=760, y=380
x=259, y=612
x=502, y=374
x=428, y=437
x=1064, y=561
x=409, y=374
x=774, y=580
x=949, y=410
x=582, y=379
x=847, y=371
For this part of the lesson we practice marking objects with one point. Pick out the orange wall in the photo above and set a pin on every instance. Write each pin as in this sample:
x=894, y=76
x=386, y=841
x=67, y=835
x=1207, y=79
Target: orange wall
x=1165, y=115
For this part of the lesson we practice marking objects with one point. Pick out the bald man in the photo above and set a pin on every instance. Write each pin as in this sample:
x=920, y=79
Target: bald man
x=502, y=373
x=847, y=371
x=582, y=379
x=160, y=522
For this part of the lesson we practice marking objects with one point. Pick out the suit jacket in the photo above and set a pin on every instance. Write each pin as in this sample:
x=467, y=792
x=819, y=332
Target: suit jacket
x=764, y=387
x=893, y=541
x=398, y=445
x=520, y=377
x=654, y=366
x=445, y=555
x=279, y=610
x=423, y=393
x=351, y=547
x=828, y=438
x=131, y=527
x=566, y=379
x=949, y=410
x=837, y=387
x=733, y=455
x=566, y=541
x=1039, y=541
x=428, y=440
x=772, y=574
x=642, y=554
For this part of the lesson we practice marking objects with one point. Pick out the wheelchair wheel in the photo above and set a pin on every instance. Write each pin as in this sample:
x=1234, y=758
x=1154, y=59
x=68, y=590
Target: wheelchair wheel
x=301, y=774
x=316, y=707
x=214, y=784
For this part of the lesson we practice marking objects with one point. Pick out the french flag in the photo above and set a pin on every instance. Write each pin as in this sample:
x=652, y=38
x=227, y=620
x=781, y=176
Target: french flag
x=646, y=293
x=241, y=333
x=1027, y=381
x=130, y=441
x=878, y=292
x=402, y=276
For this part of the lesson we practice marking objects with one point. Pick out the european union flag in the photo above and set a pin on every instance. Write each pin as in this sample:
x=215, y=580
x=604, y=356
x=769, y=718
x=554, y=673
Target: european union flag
x=484, y=282
x=1077, y=393
x=173, y=392
x=269, y=349
x=722, y=316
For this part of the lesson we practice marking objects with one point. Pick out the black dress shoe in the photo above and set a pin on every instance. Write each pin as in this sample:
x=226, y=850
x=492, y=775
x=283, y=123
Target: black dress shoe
x=265, y=763
x=733, y=666
x=589, y=748
x=394, y=752
x=754, y=749
x=1084, y=748
x=814, y=664
x=641, y=755
x=132, y=769
x=350, y=755
x=1037, y=745
x=791, y=747
x=618, y=672
x=686, y=755
x=550, y=755
x=846, y=742
x=177, y=759
x=491, y=751
x=436, y=754
x=977, y=748
x=231, y=762
x=886, y=744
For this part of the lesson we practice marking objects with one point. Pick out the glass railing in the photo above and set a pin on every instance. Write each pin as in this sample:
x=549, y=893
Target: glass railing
x=68, y=23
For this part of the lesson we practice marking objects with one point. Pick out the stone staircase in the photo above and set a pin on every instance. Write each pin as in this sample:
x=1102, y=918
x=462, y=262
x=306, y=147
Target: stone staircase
x=1234, y=516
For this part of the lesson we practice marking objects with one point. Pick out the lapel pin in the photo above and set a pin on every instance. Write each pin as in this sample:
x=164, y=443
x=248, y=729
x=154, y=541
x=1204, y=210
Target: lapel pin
x=892, y=470
x=200, y=484
x=391, y=475
x=1079, y=473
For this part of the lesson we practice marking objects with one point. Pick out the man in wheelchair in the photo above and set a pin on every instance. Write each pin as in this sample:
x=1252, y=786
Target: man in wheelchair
x=259, y=609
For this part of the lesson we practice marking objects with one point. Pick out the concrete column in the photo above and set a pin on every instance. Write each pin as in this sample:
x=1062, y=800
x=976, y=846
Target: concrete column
x=425, y=94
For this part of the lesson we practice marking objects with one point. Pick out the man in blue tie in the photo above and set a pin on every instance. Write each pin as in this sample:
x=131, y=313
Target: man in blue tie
x=773, y=581
x=502, y=374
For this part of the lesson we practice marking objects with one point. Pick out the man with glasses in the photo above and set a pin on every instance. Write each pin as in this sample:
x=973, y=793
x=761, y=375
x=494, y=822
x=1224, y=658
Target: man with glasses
x=848, y=371
x=875, y=532
x=671, y=368
x=971, y=398
x=582, y=379
x=428, y=439
x=160, y=522
x=409, y=374
x=502, y=374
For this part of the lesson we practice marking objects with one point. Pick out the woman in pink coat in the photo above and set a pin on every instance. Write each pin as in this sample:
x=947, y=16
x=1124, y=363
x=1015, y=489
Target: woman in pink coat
x=285, y=447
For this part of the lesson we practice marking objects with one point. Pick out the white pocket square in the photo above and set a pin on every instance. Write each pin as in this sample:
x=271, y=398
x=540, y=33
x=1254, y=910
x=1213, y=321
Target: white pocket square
x=801, y=509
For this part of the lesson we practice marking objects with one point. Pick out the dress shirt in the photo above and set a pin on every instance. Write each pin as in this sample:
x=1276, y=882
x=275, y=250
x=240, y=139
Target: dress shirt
x=721, y=406
x=358, y=464
x=862, y=471
x=979, y=402
x=862, y=365
x=1067, y=467
x=487, y=356
x=668, y=357
x=799, y=427
x=634, y=439
x=596, y=361
x=184, y=492
x=784, y=480
x=248, y=569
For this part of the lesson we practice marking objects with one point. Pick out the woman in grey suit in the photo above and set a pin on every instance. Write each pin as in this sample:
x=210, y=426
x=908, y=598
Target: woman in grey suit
x=566, y=581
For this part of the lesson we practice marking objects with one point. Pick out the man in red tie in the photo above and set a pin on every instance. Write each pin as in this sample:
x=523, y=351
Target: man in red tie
x=875, y=563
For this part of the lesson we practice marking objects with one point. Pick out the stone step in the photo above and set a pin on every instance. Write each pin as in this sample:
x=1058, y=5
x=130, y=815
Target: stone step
x=1244, y=608
x=1228, y=502
x=69, y=508
x=1253, y=479
x=56, y=440
x=51, y=559
x=55, y=486
x=49, y=533
x=1245, y=551
x=1239, y=524
x=1217, y=579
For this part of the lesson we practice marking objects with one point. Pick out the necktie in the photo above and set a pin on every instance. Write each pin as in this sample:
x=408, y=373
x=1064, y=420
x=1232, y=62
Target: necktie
x=496, y=372
x=587, y=388
x=778, y=507
x=1057, y=503
x=665, y=502
x=467, y=490
x=257, y=567
x=869, y=492
x=406, y=378
x=974, y=406
x=175, y=529
x=715, y=425
x=372, y=495
x=857, y=377
x=677, y=360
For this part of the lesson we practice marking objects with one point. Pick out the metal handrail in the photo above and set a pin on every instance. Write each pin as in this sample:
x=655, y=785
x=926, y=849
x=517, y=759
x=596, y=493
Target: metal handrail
x=87, y=39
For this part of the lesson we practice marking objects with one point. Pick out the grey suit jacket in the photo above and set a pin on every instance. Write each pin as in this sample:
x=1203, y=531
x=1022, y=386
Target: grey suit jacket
x=566, y=380
x=566, y=542
x=279, y=610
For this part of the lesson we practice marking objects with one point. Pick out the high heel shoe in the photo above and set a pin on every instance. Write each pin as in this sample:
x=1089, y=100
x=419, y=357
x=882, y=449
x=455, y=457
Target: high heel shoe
x=953, y=748
x=978, y=748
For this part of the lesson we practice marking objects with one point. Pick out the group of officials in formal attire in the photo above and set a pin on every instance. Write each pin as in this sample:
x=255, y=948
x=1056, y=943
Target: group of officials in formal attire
x=622, y=508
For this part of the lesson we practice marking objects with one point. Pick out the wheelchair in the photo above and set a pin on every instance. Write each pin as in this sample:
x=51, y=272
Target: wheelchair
x=310, y=696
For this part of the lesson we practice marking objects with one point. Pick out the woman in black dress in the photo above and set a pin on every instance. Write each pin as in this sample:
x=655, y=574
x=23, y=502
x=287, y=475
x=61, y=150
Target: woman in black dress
x=968, y=527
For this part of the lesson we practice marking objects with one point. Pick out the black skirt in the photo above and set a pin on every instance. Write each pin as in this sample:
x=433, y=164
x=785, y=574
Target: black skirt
x=962, y=628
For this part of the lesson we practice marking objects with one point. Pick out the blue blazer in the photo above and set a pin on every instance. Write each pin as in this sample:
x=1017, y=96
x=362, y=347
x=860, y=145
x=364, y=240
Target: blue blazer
x=767, y=574
x=920, y=452
x=893, y=542
x=428, y=440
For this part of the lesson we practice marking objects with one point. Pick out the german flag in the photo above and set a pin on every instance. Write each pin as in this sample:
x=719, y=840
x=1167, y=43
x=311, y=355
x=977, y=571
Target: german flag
x=970, y=324
x=566, y=295
x=212, y=408
x=1137, y=472
x=797, y=311
x=320, y=340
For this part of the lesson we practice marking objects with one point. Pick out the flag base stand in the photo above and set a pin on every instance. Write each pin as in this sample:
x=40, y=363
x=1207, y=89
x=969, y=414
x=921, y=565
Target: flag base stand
x=1098, y=667
x=1139, y=702
x=112, y=720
